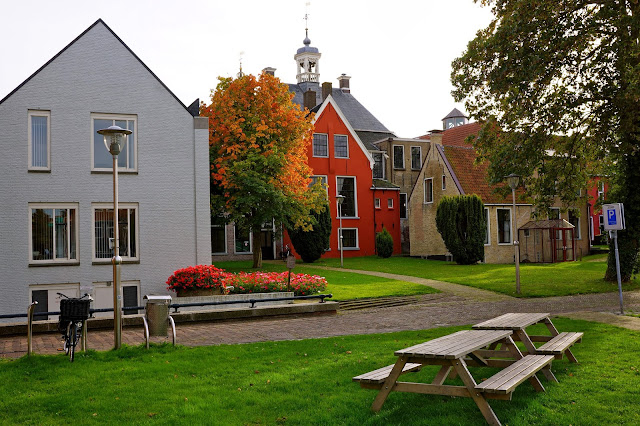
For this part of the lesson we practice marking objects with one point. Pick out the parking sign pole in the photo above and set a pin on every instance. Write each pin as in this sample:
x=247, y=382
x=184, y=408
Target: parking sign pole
x=614, y=235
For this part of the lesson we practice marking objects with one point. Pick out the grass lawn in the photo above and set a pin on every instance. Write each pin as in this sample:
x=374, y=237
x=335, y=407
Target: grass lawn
x=343, y=285
x=536, y=280
x=307, y=382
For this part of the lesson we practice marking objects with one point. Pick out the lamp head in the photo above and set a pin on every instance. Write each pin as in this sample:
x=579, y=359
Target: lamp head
x=513, y=180
x=115, y=138
x=340, y=198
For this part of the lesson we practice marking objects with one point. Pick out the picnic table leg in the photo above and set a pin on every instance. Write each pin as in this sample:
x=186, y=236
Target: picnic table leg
x=486, y=410
x=388, y=384
x=442, y=375
x=554, y=332
x=532, y=350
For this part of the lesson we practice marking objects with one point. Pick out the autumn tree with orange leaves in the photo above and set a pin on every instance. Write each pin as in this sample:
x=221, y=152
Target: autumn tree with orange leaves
x=258, y=141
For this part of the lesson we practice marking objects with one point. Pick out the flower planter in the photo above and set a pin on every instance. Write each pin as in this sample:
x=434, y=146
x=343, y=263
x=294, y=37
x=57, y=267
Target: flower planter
x=197, y=292
x=233, y=297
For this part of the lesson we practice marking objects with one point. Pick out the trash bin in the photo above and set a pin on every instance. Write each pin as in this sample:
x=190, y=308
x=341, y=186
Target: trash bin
x=157, y=314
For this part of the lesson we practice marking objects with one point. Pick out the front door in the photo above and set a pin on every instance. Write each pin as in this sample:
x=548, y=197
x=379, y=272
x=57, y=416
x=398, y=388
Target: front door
x=268, y=252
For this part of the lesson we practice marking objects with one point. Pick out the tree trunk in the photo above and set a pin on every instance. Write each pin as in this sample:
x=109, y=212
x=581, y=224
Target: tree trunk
x=257, y=249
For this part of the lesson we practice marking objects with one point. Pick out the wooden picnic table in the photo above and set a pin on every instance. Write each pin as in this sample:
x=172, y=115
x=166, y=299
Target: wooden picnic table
x=556, y=344
x=454, y=353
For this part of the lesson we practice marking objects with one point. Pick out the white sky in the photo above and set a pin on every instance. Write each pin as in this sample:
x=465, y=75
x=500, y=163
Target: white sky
x=398, y=53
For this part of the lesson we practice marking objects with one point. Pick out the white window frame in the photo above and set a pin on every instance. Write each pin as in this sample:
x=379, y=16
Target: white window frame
x=53, y=298
x=334, y=146
x=226, y=249
x=355, y=195
x=38, y=113
x=394, y=157
x=576, y=230
x=322, y=178
x=488, y=223
x=109, y=206
x=357, y=247
x=382, y=165
x=419, y=157
x=389, y=203
x=53, y=261
x=425, y=190
x=377, y=203
x=406, y=204
x=130, y=139
x=510, y=226
x=313, y=151
x=250, y=252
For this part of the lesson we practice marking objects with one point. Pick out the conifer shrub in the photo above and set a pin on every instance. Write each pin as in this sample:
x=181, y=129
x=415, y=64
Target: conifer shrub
x=384, y=243
x=461, y=223
x=311, y=245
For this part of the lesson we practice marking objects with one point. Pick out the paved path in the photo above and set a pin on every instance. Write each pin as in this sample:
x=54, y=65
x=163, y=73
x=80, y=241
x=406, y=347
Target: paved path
x=457, y=305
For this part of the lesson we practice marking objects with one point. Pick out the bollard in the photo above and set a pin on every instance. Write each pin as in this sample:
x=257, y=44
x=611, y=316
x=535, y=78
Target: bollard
x=30, y=310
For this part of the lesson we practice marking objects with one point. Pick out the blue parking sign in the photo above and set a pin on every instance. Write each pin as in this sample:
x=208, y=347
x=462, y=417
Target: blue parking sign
x=614, y=213
x=611, y=217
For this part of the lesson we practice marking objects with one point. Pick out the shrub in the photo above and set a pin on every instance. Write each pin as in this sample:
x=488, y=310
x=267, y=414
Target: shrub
x=198, y=277
x=265, y=282
x=384, y=243
x=461, y=222
x=311, y=245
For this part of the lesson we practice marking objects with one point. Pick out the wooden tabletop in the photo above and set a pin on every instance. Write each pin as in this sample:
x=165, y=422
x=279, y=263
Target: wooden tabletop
x=456, y=345
x=511, y=321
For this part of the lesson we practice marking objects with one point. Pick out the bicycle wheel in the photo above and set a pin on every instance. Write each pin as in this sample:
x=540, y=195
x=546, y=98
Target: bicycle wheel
x=66, y=341
x=73, y=339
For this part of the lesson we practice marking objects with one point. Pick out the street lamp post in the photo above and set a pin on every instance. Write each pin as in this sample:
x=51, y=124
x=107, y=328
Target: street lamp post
x=513, y=180
x=340, y=199
x=115, y=139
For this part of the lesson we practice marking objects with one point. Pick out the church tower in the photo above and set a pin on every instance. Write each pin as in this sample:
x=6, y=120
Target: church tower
x=308, y=61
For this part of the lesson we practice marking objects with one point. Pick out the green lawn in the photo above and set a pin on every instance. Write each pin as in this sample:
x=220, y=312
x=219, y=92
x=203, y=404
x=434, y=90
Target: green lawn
x=536, y=280
x=343, y=285
x=307, y=382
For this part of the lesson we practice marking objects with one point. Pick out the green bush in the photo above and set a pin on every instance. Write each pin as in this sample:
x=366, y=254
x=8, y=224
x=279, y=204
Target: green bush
x=384, y=243
x=311, y=245
x=461, y=222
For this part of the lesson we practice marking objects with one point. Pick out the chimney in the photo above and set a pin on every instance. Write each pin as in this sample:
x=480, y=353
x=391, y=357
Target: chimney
x=309, y=99
x=326, y=90
x=344, y=83
x=269, y=70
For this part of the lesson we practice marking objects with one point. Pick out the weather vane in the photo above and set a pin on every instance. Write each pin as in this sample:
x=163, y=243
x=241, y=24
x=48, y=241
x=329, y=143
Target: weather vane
x=306, y=18
x=241, y=74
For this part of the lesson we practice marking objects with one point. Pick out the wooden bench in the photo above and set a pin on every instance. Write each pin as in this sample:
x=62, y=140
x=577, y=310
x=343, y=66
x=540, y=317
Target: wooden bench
x=377, y=377
x=505, y=381
x=560, y=344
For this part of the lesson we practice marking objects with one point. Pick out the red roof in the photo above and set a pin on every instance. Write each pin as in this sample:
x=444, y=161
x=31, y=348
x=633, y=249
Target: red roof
x=456, y=136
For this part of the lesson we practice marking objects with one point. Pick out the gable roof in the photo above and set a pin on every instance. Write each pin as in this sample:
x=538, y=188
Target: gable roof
x=99, y=21
x=335, y=106
x=358, y=116
x=456, y=136
x=371, y=138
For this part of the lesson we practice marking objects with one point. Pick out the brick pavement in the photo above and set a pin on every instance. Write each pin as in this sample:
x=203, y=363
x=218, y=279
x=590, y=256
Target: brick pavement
x=456, y=307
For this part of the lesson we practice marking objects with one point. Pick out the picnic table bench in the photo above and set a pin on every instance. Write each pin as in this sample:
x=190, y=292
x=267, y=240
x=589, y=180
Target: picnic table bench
x=454, y=353
x=556, y=344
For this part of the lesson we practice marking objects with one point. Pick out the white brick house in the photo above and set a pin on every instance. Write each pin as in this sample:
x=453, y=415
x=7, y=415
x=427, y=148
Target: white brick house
x=56, y=211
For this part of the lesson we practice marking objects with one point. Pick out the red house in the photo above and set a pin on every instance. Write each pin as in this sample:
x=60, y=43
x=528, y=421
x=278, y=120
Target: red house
x=596, y=193
x=341, y=161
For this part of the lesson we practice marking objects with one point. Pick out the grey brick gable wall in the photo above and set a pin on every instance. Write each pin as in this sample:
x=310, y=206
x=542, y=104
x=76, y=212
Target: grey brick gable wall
x=98, y=74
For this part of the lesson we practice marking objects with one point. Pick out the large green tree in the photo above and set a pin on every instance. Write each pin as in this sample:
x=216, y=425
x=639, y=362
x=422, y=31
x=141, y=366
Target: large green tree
x=258, y=141
x=556, y=84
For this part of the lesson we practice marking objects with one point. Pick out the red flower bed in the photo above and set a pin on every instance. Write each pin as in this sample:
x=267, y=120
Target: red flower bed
x=198, y=278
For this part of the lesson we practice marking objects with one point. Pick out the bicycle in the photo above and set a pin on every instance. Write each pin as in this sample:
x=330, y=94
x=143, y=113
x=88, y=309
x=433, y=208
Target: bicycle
x=74, y=311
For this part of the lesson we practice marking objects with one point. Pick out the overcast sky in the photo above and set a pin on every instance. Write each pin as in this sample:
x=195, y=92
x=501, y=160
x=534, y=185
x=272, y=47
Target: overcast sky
x=398, y=53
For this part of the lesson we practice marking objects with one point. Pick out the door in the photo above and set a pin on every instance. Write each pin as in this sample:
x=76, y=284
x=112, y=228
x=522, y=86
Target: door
x=268, y=250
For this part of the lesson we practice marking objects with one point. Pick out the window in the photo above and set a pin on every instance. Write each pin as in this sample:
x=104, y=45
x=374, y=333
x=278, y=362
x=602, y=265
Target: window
x=346, y=187
x=390, y=203
x=218, y=235
x=340, y=146
x=54, y=233
x=242, y=238
x=487, y=240
x=428, y=190
x=444, y=182
x=378, y=165
x=350, y=238
x=403, y=206
x=398, y=157
x=320, y=145
x=504, y=226
x=377, y=203
x=321, y=179
x=102, y=159
x=554, y=213
x=600, y=190
x=416, y=157
x=575, y=221
x=103, y=232
x=39, y=137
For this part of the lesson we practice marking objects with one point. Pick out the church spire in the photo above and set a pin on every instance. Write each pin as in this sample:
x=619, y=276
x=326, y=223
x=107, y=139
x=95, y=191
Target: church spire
x=307, y=58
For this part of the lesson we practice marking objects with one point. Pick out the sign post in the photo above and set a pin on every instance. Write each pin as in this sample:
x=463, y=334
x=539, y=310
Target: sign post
x=291, y=263
x=614, y=222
